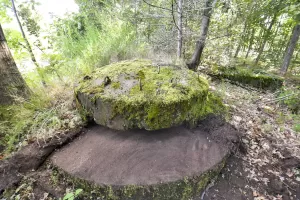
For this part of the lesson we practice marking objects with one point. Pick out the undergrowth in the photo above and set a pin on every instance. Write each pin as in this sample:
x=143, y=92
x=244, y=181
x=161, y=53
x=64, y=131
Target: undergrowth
x=78, y=47
x=49, y=111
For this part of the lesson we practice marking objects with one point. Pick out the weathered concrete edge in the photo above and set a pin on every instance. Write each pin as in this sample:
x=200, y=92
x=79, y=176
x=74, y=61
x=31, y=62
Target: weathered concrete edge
x=184, y=189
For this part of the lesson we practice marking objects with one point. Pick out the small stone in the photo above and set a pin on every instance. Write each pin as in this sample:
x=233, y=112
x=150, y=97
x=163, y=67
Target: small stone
x=237, y=118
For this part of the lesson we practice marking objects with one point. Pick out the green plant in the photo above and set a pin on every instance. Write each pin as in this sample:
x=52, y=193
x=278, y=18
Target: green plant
x=290, y=98
x=48, y=111
x=297, y=128
x=72, y=195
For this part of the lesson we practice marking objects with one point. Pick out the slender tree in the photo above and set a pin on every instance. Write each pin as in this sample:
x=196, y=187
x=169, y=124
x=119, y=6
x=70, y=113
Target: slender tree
x=28, y=46
x=195, y=61
x=250, y=42
x=290, y=49
x=265, y=38
x=11, y=82
x=180, y=28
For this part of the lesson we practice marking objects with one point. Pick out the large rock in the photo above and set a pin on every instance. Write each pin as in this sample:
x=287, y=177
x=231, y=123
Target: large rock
x=136, y=94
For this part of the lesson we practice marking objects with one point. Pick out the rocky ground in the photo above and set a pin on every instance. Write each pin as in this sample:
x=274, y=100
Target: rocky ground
x=266, y=166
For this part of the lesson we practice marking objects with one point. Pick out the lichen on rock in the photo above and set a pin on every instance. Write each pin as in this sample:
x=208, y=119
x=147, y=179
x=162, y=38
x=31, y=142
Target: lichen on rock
x=137, y=94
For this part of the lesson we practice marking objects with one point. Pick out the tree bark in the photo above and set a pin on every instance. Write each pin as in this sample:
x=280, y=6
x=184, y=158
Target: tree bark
x=250, y=43
x=195, y=61
x=180, y=36
x=11, y=82
x=290, y=50
x=266, y=36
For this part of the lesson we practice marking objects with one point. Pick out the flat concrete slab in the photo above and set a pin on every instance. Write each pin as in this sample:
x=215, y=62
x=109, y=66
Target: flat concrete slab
x=110, y=157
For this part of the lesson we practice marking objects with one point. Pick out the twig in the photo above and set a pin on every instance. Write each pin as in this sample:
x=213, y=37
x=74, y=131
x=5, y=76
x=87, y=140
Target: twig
x=157, y=6
x=219, y=37
x=23, y=45
x=288, y=186
x=279, y=98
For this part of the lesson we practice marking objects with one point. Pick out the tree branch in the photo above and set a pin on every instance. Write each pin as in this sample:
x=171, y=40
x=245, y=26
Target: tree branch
x=23, y=45
x=157, y=6
x=219, y=37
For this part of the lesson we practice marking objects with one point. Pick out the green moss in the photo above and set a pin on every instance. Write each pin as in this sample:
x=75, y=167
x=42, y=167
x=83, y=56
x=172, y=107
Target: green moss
x=116, y=85
x=167, y=98
x=255, y=78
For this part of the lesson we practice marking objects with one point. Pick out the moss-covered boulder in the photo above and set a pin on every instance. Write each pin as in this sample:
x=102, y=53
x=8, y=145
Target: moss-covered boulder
x=136, y=94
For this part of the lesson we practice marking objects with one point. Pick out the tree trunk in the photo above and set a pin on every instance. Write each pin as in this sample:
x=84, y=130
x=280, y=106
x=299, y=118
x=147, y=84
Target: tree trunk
x=28, y=46
x=261, y=49
x=179, y=42
x=241, y=40
x=195, y=61
x=290, y=50
x=250, y=43
x=11, y=82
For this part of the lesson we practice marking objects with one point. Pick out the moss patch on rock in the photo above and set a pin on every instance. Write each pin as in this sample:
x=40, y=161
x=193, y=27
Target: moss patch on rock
x=255, y=78
x=136, y=94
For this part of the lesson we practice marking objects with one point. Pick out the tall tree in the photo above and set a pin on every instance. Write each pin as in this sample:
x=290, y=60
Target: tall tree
x=195, y=61
x=11, y=82
x=180, y=27
x=265, y=38
x=28, y=46
x=290, y=49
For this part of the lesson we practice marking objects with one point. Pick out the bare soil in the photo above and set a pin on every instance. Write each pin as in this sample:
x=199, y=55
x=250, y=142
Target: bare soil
x=30, y=158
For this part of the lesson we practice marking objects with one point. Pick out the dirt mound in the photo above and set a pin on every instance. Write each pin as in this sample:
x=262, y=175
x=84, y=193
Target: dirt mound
x=30, y=158
x=171, y=163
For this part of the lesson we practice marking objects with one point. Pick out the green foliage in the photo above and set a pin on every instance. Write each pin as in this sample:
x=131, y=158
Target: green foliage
x=30, y=20
x=4, y=17
x=297, y=128
x=47, y=112
x=72, y=195
x=86, y=46
x=14, y=40
x=290, y=97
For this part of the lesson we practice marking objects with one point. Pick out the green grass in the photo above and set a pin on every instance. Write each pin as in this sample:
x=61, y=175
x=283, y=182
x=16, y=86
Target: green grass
x=48, y=111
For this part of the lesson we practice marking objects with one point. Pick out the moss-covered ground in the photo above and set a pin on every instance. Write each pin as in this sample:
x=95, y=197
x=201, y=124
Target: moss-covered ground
x=255, y=78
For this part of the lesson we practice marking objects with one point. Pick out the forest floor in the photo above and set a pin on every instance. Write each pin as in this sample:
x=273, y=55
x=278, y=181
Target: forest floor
x=267, y=166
